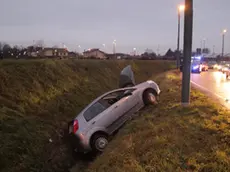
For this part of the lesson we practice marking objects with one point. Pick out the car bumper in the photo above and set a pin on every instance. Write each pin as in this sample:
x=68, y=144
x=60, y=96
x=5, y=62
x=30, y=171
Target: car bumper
x=77, y=144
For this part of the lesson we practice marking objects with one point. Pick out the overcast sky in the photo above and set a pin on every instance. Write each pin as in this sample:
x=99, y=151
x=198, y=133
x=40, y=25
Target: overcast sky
x=90, y=23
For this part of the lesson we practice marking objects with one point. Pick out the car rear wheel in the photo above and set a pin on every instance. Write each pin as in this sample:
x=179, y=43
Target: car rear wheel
x=99, y=142
x=150, y=97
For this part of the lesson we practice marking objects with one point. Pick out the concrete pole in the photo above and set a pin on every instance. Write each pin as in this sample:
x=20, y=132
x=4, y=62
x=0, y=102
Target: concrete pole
x=188, y=30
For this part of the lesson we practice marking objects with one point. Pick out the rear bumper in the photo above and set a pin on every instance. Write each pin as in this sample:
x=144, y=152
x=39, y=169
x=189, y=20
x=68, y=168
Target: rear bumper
x=78, y=142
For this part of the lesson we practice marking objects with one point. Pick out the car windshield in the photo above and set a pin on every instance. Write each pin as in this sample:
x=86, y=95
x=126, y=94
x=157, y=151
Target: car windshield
x=93, y=111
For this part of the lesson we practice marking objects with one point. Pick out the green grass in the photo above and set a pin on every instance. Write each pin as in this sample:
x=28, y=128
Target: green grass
x=169, y=137
x=38, y=98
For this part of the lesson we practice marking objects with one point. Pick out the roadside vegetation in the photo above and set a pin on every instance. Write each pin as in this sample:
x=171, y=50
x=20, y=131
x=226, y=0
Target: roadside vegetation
x=38, y=98
x=169, y=137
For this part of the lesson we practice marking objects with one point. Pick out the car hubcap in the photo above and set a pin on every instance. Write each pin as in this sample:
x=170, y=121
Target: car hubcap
x=101, y=143
x=152, y=98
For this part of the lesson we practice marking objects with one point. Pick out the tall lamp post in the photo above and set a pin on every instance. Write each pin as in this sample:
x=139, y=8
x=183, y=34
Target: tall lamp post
x=114, y=48
x=134, y=51
x=224, y=32
x=104, y=47
x=180, y=9
x=188, y=30
x=79, y=49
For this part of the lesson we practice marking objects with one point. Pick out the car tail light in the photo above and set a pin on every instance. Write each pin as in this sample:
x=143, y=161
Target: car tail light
x=75, y=126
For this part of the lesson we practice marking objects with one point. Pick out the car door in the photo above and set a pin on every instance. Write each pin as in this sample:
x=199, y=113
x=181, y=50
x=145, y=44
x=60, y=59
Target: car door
x=120, y=111
x=126, y=77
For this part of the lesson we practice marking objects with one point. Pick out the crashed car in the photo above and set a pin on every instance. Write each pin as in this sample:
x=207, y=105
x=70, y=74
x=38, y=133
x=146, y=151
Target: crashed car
x=93, y=126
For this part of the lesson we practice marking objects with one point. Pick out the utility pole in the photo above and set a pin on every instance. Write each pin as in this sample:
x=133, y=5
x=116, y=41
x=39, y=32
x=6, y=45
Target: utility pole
x=114, y=48
x=204, y=41
x=188, y=30
x=224, y=31
x=158, y=49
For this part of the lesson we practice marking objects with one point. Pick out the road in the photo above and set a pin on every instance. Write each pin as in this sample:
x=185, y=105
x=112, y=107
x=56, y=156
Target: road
x=215, y=84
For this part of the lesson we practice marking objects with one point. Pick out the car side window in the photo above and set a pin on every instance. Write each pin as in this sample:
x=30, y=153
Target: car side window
x=94, y=110
x=116, y=96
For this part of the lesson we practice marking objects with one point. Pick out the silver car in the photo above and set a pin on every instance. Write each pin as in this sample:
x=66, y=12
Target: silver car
x=90, y=130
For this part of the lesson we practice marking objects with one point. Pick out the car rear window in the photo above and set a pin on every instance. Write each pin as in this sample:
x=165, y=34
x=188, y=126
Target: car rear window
x=93, y=111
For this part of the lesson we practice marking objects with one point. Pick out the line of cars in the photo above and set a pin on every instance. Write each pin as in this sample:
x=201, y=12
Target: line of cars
x=197, y=66
x=223, y=67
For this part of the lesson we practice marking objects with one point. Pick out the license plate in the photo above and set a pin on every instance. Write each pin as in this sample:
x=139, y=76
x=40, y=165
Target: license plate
x=70, y=129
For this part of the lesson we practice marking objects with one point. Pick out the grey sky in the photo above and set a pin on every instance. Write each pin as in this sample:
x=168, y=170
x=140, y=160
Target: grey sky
x=90, y=23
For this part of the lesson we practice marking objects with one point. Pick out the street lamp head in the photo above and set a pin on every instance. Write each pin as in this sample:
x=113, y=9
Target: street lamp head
x=181, y=8
x=224, y=31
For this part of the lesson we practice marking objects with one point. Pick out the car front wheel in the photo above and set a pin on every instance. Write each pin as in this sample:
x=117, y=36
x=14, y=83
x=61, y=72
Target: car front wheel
x=150, y=97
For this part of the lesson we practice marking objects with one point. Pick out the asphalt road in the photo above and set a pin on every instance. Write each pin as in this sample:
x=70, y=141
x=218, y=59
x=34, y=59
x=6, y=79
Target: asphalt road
x=215, y=84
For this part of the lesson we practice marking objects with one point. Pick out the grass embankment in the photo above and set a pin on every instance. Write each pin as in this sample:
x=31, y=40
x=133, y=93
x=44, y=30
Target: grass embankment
x=37, y=98
x=170, y=137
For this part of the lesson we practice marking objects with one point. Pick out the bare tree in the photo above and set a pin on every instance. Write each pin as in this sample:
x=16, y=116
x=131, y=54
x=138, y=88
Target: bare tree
x=39, y=43
x=1, y=46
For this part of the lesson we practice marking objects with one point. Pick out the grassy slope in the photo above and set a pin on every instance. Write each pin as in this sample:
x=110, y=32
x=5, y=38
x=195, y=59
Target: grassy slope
x=171, y=138
x=37, y=98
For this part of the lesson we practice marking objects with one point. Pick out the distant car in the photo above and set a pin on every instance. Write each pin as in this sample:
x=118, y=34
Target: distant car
x=227, y=72
x=217, y=66
x=196, y=68
x=211, y=64
x=225, y=68
x=204, y=66
x=91, y=128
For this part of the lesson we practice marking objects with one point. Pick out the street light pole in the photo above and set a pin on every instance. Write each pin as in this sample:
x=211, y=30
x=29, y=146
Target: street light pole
x=223, y=37
x=114, y=48
x=188, y=30
x=180, y=9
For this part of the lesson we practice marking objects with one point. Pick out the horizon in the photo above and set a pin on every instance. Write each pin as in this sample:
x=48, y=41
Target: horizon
x=91, y=24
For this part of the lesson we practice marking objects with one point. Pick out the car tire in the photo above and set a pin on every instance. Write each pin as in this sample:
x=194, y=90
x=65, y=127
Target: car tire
x=99, y=142
x=150, y=97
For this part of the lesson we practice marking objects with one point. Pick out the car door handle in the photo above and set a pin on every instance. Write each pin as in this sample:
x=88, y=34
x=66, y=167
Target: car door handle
x=93, y=122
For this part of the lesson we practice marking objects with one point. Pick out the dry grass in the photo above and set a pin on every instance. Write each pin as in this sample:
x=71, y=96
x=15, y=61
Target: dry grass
x=37, y=98
x=170, y=137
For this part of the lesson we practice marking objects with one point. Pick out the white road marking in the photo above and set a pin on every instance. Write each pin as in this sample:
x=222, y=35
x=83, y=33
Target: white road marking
x=208, y=90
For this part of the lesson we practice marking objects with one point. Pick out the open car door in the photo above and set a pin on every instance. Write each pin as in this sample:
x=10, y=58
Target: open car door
x=126, y=77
